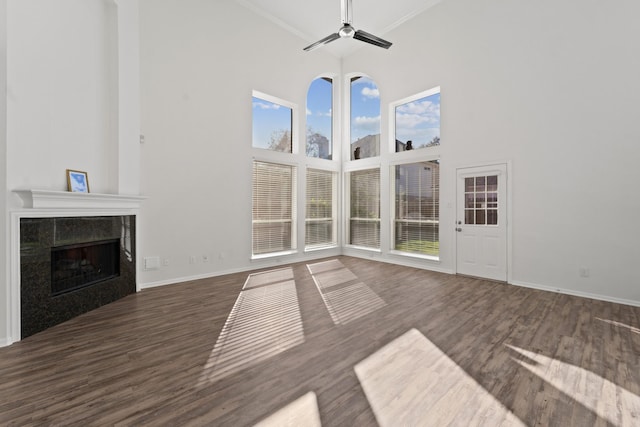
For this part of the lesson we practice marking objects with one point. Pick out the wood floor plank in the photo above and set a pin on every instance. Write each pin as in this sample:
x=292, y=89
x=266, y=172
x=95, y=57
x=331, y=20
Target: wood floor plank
x=506, y=354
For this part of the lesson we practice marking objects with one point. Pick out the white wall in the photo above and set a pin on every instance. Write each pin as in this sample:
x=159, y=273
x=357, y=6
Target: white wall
x=200, y=61
x=553, y=88
x=63, y=86
x=4, y=234
x=72, y=101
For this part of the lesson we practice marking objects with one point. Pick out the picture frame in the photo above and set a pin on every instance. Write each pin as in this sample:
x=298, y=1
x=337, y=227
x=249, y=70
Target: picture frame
x=77, y=181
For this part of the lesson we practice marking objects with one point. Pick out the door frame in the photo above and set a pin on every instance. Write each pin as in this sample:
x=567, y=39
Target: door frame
x=509, y=209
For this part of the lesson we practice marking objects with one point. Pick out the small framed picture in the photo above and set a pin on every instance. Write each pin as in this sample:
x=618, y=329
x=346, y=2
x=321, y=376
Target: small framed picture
x=77, y=181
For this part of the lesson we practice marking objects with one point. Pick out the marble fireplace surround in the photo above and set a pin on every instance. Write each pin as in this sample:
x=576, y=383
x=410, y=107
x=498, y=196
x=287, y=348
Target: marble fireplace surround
x=57, y=204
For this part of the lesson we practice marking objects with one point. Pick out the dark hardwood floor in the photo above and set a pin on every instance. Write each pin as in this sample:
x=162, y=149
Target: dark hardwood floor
x=368, y=343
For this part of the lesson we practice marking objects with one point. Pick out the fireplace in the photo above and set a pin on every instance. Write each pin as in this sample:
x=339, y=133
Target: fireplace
x=83, y=264
x=72, y=265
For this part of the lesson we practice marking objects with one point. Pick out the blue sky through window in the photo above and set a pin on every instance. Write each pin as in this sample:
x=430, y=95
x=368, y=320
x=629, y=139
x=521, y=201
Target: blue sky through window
x=319, y=118
x=269, y=119
x=419, y=121
x=319, y=107
x=365, y=108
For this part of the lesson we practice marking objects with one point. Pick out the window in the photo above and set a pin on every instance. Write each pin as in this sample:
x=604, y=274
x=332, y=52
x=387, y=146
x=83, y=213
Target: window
x=320, y=212
x=417, y=216
x=364, y=223
x=418, y=122
x=365, y=118
x=274, y=208
x=481, y=200
x=320, y=118
x=272, y=124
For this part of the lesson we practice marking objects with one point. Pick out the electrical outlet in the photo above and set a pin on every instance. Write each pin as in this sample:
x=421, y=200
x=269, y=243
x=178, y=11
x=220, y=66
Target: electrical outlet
x=205, y=258
x=151, y=262
x=583, y=271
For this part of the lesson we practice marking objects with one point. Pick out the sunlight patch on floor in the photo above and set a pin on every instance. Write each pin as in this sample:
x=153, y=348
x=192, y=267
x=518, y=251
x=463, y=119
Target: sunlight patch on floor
x=620, y=325
x=268, y=277
x=598, y=394
x=411, y=382
x=344, y=300
x=301, y=412
x=264, y=322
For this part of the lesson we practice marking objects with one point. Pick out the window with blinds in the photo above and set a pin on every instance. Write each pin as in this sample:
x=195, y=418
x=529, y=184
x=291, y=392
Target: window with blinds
x=417, y=207
x=274, y=207
x=320, y=212
x=364, y=220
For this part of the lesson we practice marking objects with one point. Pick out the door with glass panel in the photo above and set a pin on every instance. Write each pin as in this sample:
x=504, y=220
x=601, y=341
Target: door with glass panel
x=481, y=223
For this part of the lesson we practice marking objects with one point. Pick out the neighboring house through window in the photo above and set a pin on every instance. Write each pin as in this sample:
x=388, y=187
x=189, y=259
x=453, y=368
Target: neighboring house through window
x=365, y=118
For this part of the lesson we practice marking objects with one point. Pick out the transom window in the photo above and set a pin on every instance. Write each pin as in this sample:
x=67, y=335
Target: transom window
x=272, y=124
x=481, y=200
x=418, y=122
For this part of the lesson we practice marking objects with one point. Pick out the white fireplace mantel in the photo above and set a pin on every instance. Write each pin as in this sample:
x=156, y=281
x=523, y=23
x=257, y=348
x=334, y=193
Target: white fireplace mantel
x=47, y=199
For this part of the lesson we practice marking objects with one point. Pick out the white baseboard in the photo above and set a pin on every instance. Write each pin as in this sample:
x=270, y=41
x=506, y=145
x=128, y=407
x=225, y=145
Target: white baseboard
x=406, y=261
x=4, y=342
x=256, y=265
x=575, y=293
x=175, y=280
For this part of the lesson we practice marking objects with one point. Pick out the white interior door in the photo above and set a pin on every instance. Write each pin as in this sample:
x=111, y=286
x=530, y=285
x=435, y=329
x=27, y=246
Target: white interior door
x=481, y=223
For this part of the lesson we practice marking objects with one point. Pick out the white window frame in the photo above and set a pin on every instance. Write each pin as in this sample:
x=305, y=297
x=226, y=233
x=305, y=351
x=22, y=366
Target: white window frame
x=334, y=210
x=295, y=144
x=347, y=204
x=392, y=122
x=294, y=208
x=423, y=157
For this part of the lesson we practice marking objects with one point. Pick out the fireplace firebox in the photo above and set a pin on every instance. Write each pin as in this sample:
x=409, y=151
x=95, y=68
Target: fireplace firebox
x=83, y=264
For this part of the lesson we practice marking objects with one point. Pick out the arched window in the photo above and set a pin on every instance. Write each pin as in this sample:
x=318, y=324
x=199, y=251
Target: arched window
x=320, y=119
x=365, y=118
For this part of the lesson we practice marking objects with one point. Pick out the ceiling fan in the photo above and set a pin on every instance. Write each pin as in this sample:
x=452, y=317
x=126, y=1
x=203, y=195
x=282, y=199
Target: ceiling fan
x=347, y=31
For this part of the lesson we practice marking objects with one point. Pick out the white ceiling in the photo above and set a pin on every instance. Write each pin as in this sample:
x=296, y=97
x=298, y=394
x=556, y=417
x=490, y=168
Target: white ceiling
x=313, y=20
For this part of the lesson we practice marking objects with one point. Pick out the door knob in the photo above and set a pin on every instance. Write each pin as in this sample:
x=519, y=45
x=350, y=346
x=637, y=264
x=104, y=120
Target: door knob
x=459, y=229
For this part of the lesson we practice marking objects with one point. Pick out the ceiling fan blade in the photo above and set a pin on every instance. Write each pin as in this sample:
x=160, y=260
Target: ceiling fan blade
x=328, y=39
x=371, y=39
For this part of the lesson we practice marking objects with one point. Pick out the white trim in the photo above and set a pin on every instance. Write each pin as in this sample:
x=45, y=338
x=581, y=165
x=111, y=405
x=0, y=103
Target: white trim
x=47, y=199
x=574, y=293
x=252, y=268
x=399, y=260
x=273, y=254
x=415, y=255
